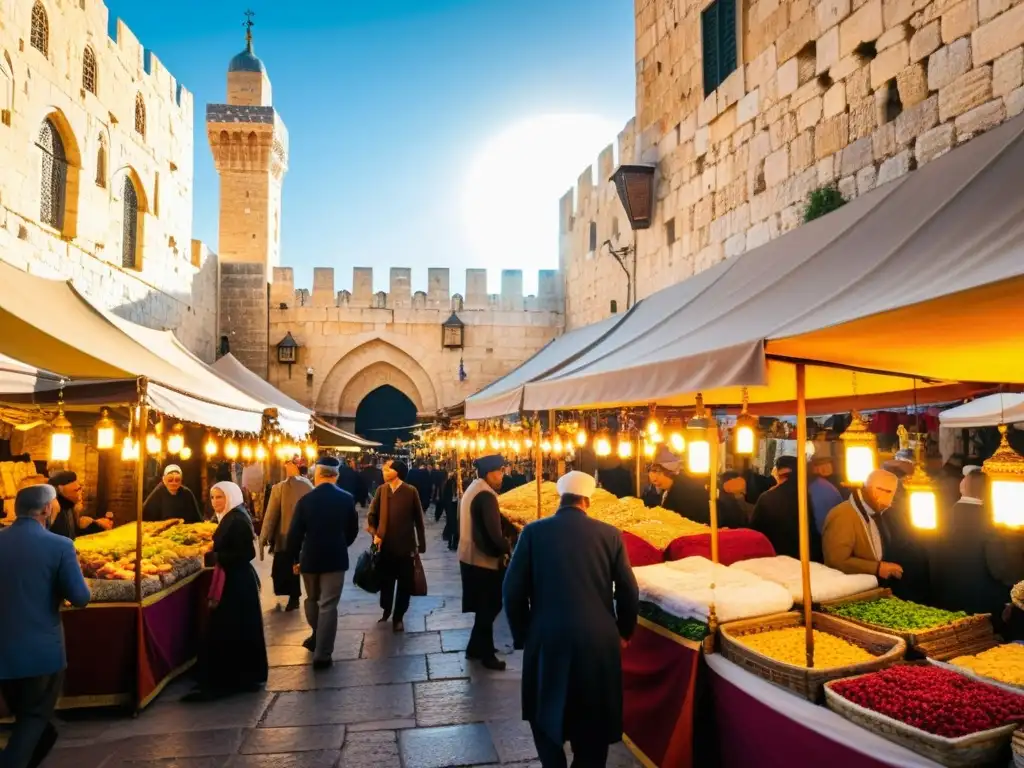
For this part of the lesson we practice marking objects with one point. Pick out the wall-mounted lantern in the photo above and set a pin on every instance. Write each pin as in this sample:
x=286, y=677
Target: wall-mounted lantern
x=635, y=185
x=453, y=333
x=288, y=352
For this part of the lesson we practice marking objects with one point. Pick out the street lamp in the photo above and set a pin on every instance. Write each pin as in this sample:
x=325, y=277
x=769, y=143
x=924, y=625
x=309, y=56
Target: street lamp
x=635, y=187
x=288, y=352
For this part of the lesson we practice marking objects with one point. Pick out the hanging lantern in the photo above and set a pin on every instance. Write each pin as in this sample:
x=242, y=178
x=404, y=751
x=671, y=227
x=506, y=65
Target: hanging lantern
x=923, y=511
x=514, y=446
x=649, y=449
x=698, y=449
x=246, y=452
x=581, y=437
x=528, y=443
x=261, y=452
x=463, y=444
x=1005, y=470
x=860, y=449
x=676, y=442
x=746, y=431
x=603, y=444
x=176, y=440
x=105, y=431
x=625, y=447
x=439, y=445
x=129, y=450
x=61, y=434
x=311, y=451
x=557, y=447
x=230, y=450
x=545, y=446
x=493, y=440
x=153, y=444
x=210, y=449
x=185, y=454
x=481, y=443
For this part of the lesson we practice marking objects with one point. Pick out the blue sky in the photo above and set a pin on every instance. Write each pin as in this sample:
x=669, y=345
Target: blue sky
x=387, y=106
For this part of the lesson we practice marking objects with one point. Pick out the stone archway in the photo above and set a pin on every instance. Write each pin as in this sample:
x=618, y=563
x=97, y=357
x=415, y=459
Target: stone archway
x=371, y=364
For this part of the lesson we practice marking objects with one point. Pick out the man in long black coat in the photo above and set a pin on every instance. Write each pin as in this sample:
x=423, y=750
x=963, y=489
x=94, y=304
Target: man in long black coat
x=777, y=514
x=571, y=601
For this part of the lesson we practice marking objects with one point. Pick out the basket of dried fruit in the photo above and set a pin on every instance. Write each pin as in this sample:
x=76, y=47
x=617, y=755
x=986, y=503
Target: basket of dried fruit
x=935, y=712
x=921, y=626
x=1002, y=666
x=773, y=647
x=1018, y=748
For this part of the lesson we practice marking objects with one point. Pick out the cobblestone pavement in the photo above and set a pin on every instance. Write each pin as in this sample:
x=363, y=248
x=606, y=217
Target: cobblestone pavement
x=409, y=701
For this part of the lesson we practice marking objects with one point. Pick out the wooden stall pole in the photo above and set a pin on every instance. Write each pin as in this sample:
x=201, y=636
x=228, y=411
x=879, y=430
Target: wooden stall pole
x=538, y=458
x=801, y=495
x=140, y=481
x=713, y=485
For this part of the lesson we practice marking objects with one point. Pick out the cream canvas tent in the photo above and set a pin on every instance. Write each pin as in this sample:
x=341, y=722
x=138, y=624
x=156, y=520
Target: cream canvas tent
x=988, y=411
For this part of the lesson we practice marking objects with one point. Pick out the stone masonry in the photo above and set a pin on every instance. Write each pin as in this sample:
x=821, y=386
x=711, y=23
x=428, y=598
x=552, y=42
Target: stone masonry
x=174, y=282
x=851, y=92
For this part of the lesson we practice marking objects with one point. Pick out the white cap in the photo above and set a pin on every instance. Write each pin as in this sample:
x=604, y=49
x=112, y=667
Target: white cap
x=170, y=469
x=970, y=469
x=667, y=459
x=577, y=483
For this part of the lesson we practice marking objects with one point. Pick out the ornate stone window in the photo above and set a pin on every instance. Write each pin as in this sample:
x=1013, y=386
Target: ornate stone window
x=89, y=70
x=53, y=175
x=140, y=115
x=101, y=163
x=40, y=35
x=130, y=238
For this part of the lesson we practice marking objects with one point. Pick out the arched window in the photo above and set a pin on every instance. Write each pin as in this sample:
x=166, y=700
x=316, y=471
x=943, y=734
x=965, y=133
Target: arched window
x=129, y=242
x=53, y=176
x=101, y=163
x=40, y=36
x=140, y=115
x=89, y=70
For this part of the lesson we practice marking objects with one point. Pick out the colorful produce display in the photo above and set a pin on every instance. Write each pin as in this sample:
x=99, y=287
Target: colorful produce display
x=520, y=504
x=789, y=646
x=934, y=700
x=826, y=583
x=893, y=613
x=691, y=629
x=1004, y=663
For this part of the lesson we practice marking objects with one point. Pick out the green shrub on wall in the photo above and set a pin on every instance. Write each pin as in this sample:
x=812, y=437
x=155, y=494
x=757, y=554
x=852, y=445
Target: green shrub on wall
x=823, y=200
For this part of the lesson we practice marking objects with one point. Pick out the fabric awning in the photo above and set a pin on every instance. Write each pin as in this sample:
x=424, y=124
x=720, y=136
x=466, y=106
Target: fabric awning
x=921, y=277
x=329, y=436
x=292, y=416
x=505, y=396
x=988, y=411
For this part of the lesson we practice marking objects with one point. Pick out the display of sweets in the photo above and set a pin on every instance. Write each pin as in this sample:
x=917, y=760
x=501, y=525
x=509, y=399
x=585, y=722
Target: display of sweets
x=166, y=546
x=520, y=504
x=789, y=646
x=932, y=699
x=896, y=614
x=1004, y=663
x=660, y=534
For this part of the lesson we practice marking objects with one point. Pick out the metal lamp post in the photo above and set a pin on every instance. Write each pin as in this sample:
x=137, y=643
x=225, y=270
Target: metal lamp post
x=635, y=186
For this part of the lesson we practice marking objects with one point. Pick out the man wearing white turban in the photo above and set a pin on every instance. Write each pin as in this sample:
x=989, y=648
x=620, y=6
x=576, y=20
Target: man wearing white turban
x=571, y=601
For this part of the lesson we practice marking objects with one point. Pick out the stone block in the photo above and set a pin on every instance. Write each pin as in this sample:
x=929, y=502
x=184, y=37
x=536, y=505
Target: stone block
x=831, y=135
x=835, y=100
x=731, y=90
x=760, y=147
x=827, y=51
x=826, y=169
x=866, y=179
x=761, y=68
x=883, y=142
x=916, y=120
x=856, y=156
x=980, y=119
x=912, y=85
x=801, y=151
x=948, y=63
x=898, y=34
x=1008, y=72
x=894, y=167
x=808, y=114
x=863, y=26
x=782, y=131
x=1014, y=103
x=965, y=93
x=848, y=187
x=989, y=8
x=776, y=167
x=858, y=84
x=788, y=78
x=925, y=41
x=896, y=12
x=700, y=141
x=960, y=20
x=994, y=38
x=799, y=33
x=830, y=13
x=887, y=64
x=748, y=107
x=723, y=125
x=323, y=287
x=863, y=118
x=708, y=109
x=934, y=143
x=847, y=66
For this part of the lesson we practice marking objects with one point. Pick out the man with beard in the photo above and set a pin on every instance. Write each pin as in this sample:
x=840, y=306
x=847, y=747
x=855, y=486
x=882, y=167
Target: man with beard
x=70, y=522
x=852, y=541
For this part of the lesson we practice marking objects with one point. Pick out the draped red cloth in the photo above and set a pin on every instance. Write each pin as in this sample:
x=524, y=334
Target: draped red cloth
x=734, y=545
x=641, y=552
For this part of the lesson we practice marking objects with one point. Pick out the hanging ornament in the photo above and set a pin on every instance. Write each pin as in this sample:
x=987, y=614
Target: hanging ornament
x=129, y=450
x=1005, y=470
x=860, y=451
x=698, y=449
x=153, y=444
x=176, y=440
x=261, y=452
x=105, y=431
x=230, y=449
x=185, y=454
x=61, y=434
x=746, y=431
x=210, y=448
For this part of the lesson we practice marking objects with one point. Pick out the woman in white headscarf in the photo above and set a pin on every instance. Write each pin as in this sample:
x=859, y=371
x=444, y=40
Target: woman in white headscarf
x=233, y=655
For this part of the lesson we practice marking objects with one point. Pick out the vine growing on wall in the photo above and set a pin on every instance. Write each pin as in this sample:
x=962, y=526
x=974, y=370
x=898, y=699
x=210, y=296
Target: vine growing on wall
x=823, y=200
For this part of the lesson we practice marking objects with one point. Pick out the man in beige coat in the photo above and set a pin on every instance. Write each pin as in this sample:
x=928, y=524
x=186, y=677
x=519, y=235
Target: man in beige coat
x=851, y=540
x=280, y=509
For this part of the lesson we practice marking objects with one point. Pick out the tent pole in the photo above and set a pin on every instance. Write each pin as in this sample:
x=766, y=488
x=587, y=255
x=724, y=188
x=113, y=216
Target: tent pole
x=140, y=479
x=713, y=486
x=801, y=490
x=636, y=453
x=538, y=465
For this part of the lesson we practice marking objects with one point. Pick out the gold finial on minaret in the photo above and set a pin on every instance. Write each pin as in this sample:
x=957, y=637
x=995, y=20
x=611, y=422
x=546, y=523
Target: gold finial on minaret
x=248, y=24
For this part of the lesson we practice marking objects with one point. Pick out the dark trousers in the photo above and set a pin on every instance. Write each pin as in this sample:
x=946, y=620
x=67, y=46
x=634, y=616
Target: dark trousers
x=396, y=572
x=31, y=701
x=481, y=638
x=587, y=752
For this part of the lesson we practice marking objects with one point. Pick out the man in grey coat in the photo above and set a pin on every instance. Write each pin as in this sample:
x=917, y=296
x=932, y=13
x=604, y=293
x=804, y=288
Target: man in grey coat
x=571, y=601
x=280, y=510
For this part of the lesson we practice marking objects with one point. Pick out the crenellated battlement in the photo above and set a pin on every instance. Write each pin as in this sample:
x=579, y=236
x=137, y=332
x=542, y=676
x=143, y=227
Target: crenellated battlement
x=438, y=295
x=140, y=62
x=588, y=192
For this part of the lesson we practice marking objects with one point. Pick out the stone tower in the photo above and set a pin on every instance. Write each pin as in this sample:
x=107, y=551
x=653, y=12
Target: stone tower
x=250, y=150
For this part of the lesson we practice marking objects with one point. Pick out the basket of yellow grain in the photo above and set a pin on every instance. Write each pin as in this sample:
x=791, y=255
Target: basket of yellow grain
x=773, y=647
x=1001, y=666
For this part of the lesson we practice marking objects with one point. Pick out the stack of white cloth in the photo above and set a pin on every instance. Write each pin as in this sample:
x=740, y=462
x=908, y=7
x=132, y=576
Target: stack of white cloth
x=826, y=583
x=688, y=588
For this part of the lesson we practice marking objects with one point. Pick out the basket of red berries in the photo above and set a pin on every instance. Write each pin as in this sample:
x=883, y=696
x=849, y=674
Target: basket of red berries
x=935, y=712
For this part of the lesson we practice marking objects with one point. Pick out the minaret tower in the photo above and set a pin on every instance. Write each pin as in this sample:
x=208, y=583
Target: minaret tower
x=250, y=150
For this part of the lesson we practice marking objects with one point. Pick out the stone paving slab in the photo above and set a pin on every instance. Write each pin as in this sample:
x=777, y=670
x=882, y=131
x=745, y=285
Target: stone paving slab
x=269, y=741
x=350, y=674
x=341, y=706
x=452, y=702
x=454, y=745
x=324, y=759
x=376, y=749
x=180, y=744
x=380, y=645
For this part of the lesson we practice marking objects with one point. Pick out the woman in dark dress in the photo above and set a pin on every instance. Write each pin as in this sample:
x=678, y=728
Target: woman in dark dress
x=233, y=655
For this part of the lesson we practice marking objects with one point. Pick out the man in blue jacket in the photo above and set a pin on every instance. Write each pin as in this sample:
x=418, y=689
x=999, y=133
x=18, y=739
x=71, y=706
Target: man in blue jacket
x=323, y=527
x=38, y=571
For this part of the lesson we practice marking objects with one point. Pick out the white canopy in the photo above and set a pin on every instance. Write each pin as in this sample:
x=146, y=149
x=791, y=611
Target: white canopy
x=988, y=411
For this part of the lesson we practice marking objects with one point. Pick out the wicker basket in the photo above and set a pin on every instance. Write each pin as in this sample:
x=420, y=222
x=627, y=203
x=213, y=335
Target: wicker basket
x=1018, y=748
x=976, y=749
x=951, y=647
x=808, y=683
x=1018, y=689
x=871, y=594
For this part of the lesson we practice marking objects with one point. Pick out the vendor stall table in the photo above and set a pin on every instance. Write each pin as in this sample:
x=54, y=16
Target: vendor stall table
x=760, y=724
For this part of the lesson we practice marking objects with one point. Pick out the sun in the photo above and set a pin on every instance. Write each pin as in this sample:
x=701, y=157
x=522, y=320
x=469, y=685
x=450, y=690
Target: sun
x=510, y=208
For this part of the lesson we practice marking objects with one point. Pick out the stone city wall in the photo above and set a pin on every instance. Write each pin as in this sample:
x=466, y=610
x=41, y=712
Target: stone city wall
x=357, y=340
x=850, y=92
x=173, y=284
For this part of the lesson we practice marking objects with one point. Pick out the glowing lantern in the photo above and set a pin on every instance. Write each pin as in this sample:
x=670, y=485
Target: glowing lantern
x=105, y=431
x=860, y=446
x=649, y=449
x=676, y=442
x=186, y=453
x=153, y=444
x=923, y=511
x=129, y=450
x=529, y=443
x=557, y=447
x=60, y=437
x=311, y=451
x=545, y=446
x=514, y=446
x=746, y=431
x=698, y=449
x=603, y=444
x=494, y=442
x=625, y=446
x=1005, y=470
x=261, y=452
x=210, y=449
x=581, y=437
x=439, y=444
x=246, y=452
x=176, y=440
x=230, y=450
x=463, y=444
x=481, y=443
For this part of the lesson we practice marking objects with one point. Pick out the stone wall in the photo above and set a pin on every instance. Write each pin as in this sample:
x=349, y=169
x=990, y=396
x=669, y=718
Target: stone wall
x=850, y=92
x=174, y=283
x=355, y=340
